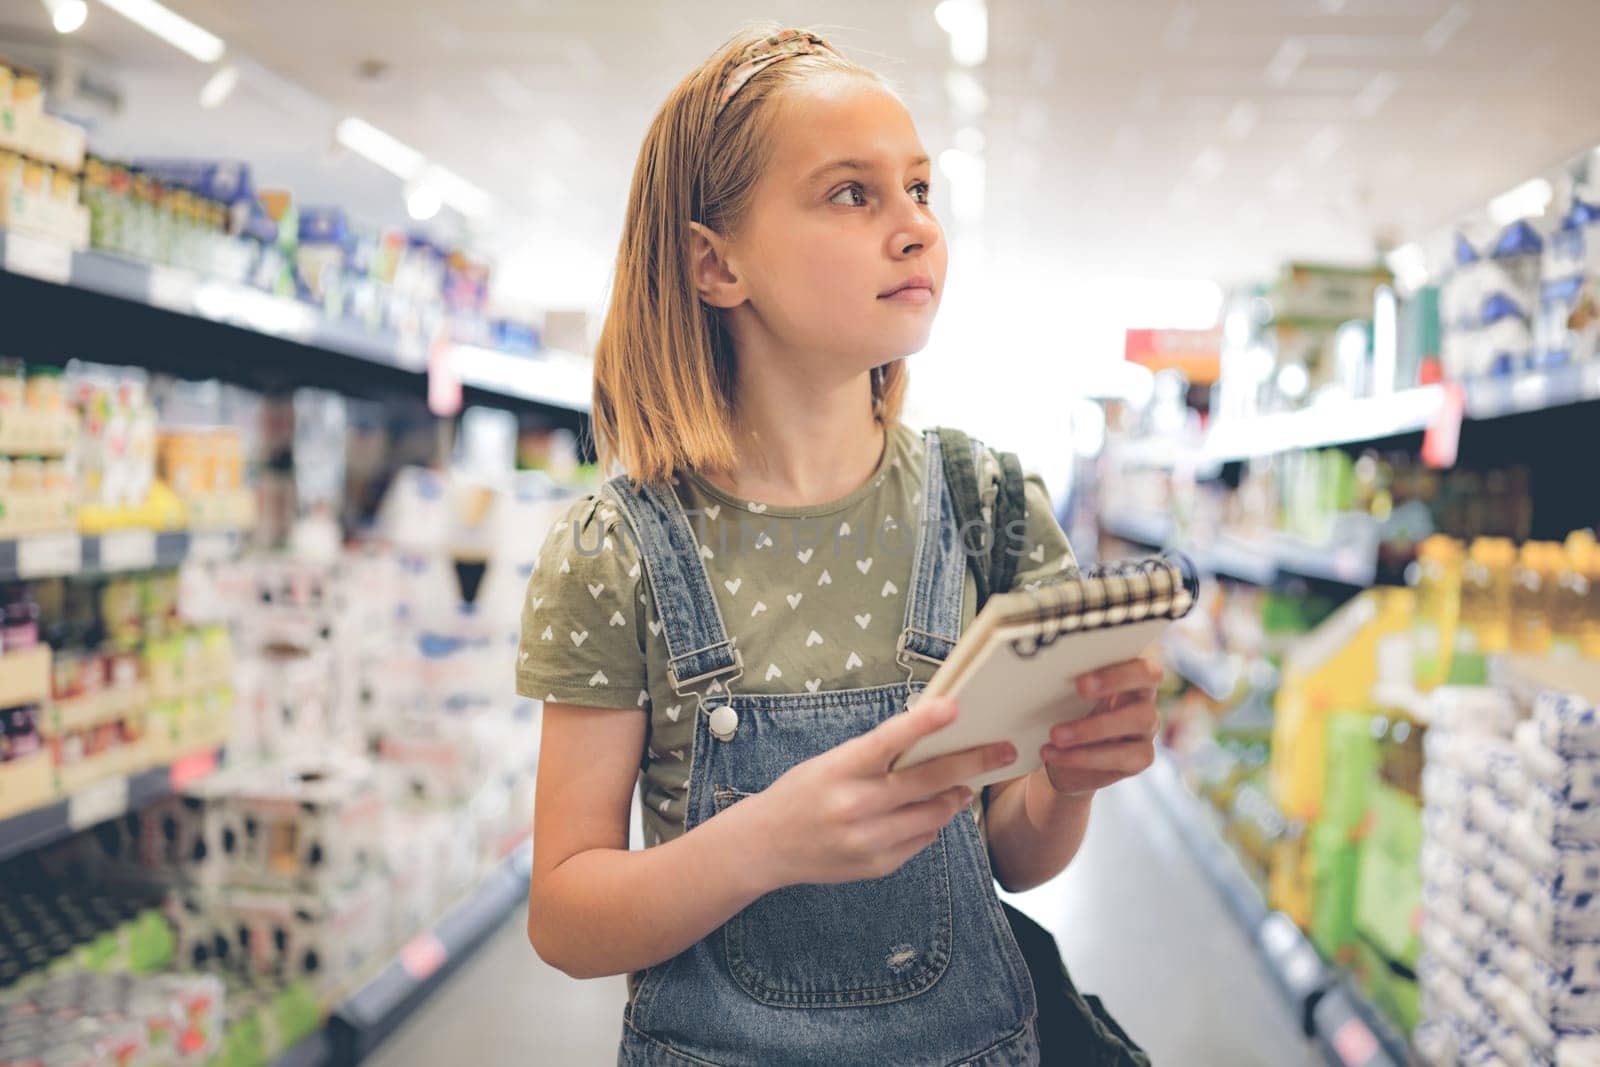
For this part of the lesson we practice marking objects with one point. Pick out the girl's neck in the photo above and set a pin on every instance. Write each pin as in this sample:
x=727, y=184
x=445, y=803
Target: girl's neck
x=793, y=457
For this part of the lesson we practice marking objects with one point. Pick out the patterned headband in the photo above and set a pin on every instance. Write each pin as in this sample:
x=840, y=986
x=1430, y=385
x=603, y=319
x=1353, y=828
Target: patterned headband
x=781, y=45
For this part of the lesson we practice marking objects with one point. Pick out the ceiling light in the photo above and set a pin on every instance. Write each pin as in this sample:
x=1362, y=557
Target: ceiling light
x=1241, y=121
x=423, y=200
x=967, y=23
x=1286, y=60
x=67, y=16
x=966, y=175
x=393, y=155
x=170, y=27
x=1439, y=34
x=1324, y=144
x=459, y=193
x=219, y=86
x=1525, y=201
x=1370, y=100
x=1209, y=164
x=966, y=92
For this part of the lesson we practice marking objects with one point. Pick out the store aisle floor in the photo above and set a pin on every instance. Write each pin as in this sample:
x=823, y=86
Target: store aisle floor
x=1137, y=921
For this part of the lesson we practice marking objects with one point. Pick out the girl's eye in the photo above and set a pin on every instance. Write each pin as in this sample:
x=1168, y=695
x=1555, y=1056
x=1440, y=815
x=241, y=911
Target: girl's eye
x=852, y=189
x=922, y=188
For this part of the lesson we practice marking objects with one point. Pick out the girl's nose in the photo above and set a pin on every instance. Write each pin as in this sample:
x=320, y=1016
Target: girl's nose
x=918, y=235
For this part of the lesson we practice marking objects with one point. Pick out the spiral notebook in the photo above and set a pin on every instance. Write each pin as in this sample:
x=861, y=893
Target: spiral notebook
x=1013, y=672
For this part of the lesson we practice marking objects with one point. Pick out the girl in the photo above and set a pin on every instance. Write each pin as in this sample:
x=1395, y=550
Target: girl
x=740, y=619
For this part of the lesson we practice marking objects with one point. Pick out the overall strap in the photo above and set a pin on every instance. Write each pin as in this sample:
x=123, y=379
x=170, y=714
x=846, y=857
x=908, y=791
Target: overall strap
x=698, y=647
x=938, y=572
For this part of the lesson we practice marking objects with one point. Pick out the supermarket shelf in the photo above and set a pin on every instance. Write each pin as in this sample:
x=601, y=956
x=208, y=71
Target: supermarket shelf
x=1350, y=1032
x=53, y=555
x=312, y=1051
x=1348, y=422
x=109, y=798
x=1350, y=559
x=1216, y=674
x=370, y=1014
x=202, y=327
x=1151, y=531
x=1492, y=398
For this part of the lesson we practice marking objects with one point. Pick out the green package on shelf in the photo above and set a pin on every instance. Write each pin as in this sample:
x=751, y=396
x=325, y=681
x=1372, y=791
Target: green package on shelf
x=1351, y=773
x=149, y=942
x=296, y=1014
x=241, y=1045
x=1392, y=992
x=1335, y=864
x=1389, y=889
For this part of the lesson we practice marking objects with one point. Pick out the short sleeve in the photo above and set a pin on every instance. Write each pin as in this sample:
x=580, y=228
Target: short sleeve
x=1043, y=552
x=583, y=621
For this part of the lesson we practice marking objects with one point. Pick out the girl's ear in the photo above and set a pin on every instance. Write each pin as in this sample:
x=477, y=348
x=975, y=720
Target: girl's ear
x=714, y=279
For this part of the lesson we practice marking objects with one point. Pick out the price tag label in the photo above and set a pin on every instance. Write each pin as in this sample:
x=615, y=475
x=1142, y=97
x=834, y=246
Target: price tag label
x=1354, y=1044
x=37, y=257
x=49, y=555
x=423, y=955
x=128, y=550
x=191, y=769
x=172, y=289
x=99, y=802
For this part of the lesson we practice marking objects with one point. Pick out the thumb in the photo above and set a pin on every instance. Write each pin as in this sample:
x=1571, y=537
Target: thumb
x=892, y=737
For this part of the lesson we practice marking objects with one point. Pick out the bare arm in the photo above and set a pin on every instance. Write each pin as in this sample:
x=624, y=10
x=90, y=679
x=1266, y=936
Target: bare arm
x=587, y=914
x=1033, y=830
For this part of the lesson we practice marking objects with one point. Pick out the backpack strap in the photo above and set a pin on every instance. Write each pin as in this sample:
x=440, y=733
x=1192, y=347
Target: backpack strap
x=995, y=571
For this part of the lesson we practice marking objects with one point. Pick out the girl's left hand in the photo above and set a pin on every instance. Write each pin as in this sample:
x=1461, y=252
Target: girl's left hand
x=1116, y=740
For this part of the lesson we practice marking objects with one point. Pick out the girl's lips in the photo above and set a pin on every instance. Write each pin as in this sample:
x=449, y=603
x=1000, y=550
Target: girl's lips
x=912, y=294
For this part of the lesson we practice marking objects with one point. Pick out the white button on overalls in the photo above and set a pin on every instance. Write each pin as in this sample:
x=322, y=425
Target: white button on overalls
x=724, y=723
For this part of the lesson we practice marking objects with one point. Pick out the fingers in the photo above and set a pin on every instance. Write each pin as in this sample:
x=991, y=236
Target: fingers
x=1121, y=758
x=924, y=816
x=884, y=742
x=941, y=772
x=1119, y=678
x=1137, y=719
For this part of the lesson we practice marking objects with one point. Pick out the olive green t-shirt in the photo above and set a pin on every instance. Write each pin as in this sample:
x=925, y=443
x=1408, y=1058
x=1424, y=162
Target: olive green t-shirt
x=823, y=616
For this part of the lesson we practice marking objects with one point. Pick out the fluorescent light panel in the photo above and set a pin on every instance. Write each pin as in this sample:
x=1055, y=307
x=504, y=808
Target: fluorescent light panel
x=171, y=27
x=390, y=153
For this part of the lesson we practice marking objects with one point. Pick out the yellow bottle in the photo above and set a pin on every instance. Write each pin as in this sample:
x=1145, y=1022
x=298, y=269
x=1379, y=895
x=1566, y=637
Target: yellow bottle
x=1530, y=599
x=1438, y=609
x=1569, y=594
x=1591, y=614
x=1486, y=595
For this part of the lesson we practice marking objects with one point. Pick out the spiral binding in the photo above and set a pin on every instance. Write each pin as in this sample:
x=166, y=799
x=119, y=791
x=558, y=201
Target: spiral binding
x=1106, y=595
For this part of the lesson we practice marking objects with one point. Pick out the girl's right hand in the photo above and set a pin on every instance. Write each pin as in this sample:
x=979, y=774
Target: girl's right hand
x=843, y=816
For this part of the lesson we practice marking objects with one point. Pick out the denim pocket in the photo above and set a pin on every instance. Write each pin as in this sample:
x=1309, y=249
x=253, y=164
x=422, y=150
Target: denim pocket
x=848, y=944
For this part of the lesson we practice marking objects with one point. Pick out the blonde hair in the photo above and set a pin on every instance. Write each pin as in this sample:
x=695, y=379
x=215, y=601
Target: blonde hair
x=664, y=364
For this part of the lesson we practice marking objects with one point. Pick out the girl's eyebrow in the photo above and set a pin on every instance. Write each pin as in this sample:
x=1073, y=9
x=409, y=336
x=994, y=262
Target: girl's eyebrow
x=852, y=165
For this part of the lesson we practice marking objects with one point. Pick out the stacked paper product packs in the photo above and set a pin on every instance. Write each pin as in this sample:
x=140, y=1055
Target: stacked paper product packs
x=1510, y=967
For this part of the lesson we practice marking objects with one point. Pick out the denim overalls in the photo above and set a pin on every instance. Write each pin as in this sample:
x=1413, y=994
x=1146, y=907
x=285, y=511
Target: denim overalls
x=919, y=967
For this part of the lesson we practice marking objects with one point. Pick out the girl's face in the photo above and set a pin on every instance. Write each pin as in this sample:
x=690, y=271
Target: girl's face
x=839, y=221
